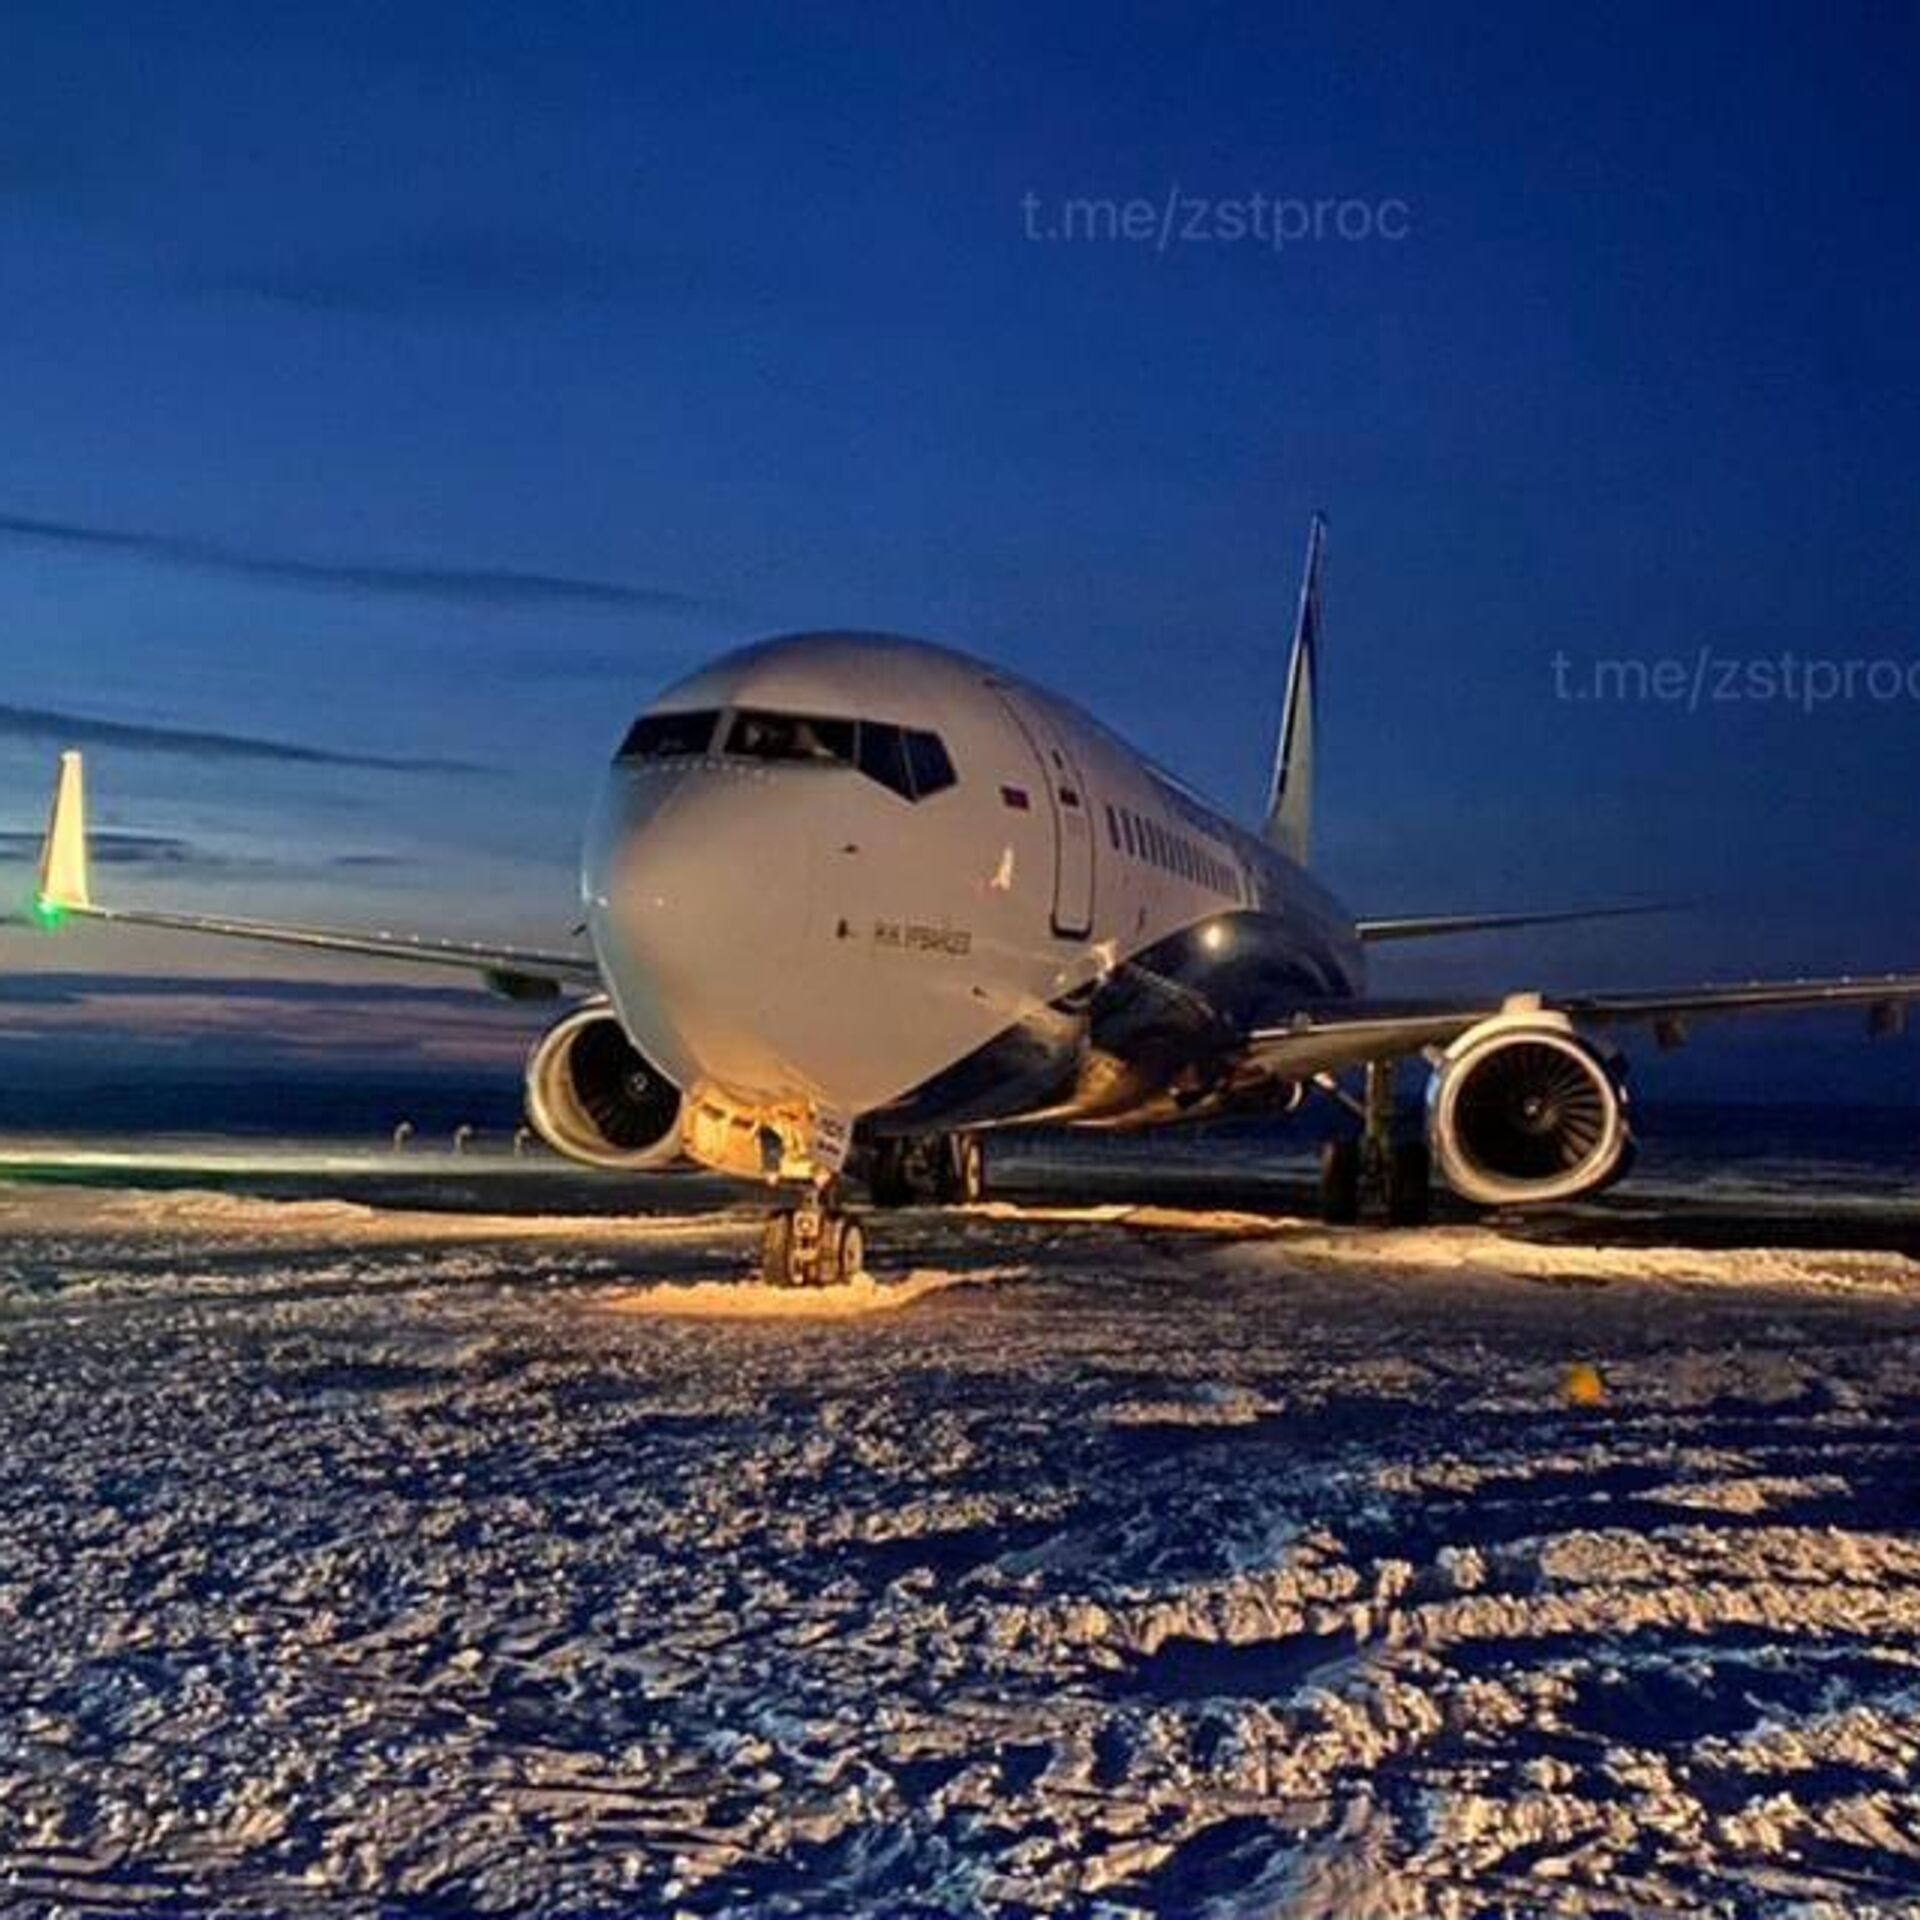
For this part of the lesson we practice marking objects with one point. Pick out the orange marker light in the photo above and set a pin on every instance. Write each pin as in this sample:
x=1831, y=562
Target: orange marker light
x=1582, y=1386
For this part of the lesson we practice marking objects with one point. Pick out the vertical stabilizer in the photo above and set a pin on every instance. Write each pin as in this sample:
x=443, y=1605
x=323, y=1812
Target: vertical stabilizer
x=1289, y=822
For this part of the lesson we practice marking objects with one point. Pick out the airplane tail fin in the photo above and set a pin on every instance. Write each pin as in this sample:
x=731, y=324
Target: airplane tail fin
x=65, y=885
x=1289, y=822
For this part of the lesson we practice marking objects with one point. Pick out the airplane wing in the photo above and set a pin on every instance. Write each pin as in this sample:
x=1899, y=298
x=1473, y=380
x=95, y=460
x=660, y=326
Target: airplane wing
x=66, y=891
x=1343, y=1033
x=1432, y=926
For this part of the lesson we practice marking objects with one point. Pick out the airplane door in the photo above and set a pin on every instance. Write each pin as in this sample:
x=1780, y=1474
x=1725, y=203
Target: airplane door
x=1072, y=811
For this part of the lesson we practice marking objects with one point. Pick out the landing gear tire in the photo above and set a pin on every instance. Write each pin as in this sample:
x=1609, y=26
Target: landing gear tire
x=890, y=1174
x=1340, y=1182
x=1409, y=1184
x=962, y=1179
x=843, y=1253
x=776, y=1250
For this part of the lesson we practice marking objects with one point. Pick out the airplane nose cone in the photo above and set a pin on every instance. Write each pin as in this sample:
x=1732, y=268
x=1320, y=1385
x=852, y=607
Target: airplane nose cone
x=695, y=887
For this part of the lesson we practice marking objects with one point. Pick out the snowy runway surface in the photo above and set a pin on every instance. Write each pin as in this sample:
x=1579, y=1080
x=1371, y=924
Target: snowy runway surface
x=376, y=1559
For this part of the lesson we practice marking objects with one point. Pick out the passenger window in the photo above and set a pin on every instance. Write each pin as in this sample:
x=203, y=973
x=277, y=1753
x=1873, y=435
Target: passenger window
x=791, y=736
x=1113, y=829
x=668, y=736
x=883, y=757
x=927, y=761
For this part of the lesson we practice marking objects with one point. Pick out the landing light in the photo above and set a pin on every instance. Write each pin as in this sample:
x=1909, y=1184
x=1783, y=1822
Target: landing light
x=1213, y=936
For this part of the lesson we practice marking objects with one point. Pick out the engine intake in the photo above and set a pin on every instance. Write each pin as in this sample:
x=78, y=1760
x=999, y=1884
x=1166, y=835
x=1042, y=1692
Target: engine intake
x=1522, y=1109
x=594, y=1097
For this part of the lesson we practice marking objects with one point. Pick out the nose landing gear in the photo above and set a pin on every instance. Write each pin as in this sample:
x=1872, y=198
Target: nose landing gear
x=812, y=1245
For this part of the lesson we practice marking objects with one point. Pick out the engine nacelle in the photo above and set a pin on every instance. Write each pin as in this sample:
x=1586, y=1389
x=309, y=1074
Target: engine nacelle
x=1522, y=1109
x=592, y=1096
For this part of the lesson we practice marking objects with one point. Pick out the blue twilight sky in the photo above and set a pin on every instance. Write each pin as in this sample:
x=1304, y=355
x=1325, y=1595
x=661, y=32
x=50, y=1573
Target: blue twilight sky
x=431, y=384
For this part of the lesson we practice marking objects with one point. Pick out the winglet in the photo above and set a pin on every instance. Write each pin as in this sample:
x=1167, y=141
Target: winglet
x=64, y=886
x=1289, y=822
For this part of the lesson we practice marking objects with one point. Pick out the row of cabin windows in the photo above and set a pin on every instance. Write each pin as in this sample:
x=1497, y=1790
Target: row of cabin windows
x=1146, y=839
x=905, y=760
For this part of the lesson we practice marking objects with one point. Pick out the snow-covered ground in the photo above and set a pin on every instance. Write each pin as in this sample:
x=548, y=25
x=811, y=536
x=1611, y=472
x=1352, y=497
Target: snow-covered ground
x=366, y=1559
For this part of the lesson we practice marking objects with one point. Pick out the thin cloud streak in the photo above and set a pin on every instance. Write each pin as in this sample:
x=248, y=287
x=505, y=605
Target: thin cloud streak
x=19, y=988
x=50, y=725
x=120, y=850
x=503, y=587
x=170, y=851
x=135, y=1024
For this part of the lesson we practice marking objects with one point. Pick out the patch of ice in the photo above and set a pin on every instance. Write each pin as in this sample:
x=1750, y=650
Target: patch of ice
x=1211, y=1404
x=755, y=1300
x=1224, y=1221
x=1481, y=1249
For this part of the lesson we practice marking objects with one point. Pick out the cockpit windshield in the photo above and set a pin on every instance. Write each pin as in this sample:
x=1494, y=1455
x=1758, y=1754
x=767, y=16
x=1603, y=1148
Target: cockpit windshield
x=669, y=736
x=790, y=736
x=906, y=761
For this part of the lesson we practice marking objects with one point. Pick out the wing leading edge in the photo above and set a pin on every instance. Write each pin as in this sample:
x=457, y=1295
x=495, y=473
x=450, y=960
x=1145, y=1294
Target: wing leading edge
x=1433, y=926
x=66, y=890
x=1319, y=1039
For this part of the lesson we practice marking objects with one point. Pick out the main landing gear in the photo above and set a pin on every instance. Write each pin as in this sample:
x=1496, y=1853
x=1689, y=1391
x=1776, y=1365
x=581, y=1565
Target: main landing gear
x=812, y=1245
x=1399, y=1169
x=936, y=1169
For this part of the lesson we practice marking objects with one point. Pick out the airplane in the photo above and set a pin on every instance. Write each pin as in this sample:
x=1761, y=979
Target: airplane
x=855, y=901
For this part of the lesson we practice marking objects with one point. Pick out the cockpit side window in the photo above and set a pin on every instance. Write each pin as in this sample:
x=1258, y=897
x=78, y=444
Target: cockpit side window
x=791, y=736
x=927, y=760
x=669, y=736
x=883, y=757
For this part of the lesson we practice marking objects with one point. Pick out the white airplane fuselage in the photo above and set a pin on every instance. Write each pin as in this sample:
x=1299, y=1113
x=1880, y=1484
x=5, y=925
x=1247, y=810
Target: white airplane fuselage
x=1057, y=930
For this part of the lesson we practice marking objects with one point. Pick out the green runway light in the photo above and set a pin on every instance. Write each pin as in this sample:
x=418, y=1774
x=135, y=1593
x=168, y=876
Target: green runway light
x=47, y=914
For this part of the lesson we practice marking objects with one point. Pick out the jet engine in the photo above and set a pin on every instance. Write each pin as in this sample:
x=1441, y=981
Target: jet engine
x=1522, y=1109
x=592, y=1096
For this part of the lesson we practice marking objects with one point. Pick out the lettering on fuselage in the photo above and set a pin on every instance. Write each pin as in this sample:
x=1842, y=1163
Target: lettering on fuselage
x=910, y=936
